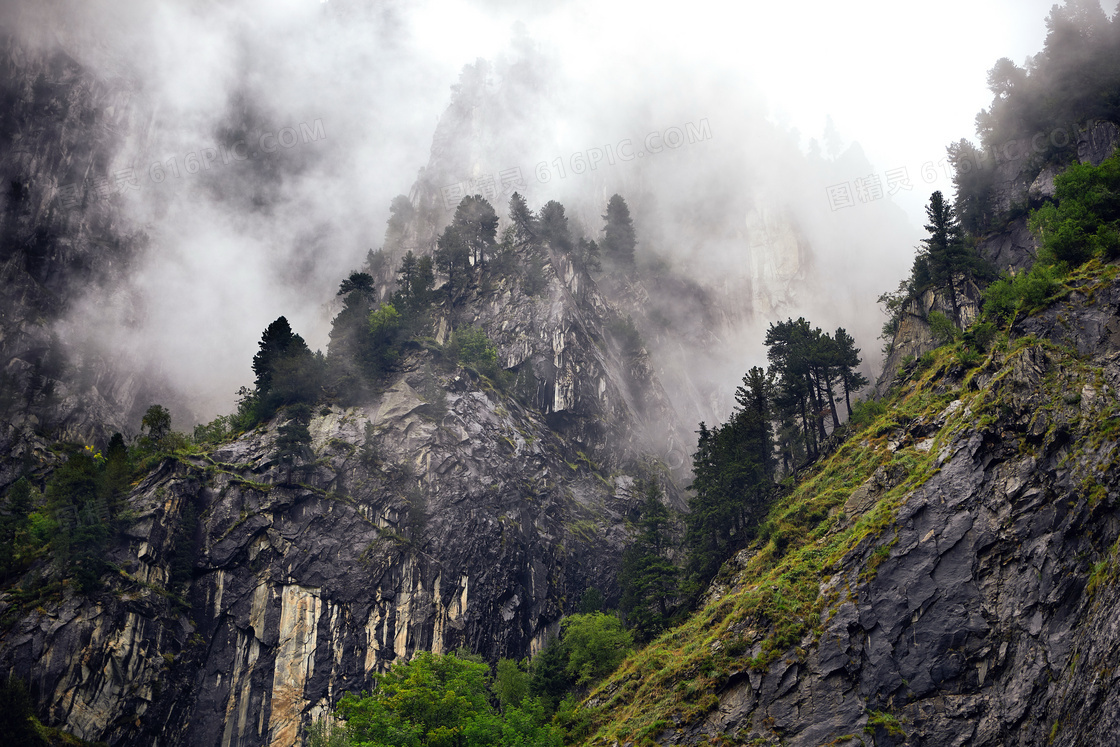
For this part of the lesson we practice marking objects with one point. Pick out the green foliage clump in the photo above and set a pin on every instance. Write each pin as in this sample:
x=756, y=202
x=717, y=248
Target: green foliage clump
x=444, y=701
x=590, y=646
x=595, y=645
x=1085, y=221
x=592, y=600
x=1026, y=291
x=22, y=528
x=470, y=346
x=866, y=412
x=942, y=328
x=83, y=497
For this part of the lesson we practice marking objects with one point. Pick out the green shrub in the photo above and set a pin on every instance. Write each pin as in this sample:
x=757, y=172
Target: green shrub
x=471, y=347
x=942, y=328
x=866, y=411
x=1085, y=222
x=443, y=701
x=596, y=644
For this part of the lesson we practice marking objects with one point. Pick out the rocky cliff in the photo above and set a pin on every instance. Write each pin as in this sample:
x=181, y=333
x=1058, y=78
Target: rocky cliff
x=948, y=577
x=1022, y=177
x=449, y=511
x=914, y=338
x=67, y=137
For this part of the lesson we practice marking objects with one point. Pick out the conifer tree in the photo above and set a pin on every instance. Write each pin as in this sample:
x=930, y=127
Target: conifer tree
x=618, y=232
x=452, y=258
x=286, y=369
x=732, y=479
x=848, y=364
x=946, y=253
x=477, y=226
x=524, y=223
x=553, y=227
x=648, y=577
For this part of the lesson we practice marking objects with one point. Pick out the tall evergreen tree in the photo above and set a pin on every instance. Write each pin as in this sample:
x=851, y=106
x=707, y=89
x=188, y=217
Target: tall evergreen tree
x=947, y=254
x=286, y=369
x=618, y=232
x=553, y=227
x=732, y=479
x=848, y=366
x=524, y=223
x=648, y=577
x=477, y=225
x=453, y=259
x=415, y=279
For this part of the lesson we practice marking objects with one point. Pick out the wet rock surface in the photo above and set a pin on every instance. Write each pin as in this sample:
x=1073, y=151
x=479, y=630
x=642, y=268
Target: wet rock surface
x=460, y=523
x=992, y=618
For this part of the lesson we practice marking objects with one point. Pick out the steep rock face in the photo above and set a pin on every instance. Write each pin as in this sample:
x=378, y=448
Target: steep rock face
x=1023, y=180
x=733, y=257
x=914, y=337
x=66, y=138
x=985, y=613
x=442, y=514
x=601, y=396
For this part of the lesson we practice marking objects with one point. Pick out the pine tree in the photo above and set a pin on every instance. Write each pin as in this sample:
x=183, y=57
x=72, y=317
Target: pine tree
x=415, y=279
x=848, y=362
x=947, y=254
x=732, y=479
x=587, y=256
x=648, y=577
x=286, y=369
x=452, y=258
x=618, y=232
x=358, y=282
x=524, y=223
x=553, y=227
x=477, y=226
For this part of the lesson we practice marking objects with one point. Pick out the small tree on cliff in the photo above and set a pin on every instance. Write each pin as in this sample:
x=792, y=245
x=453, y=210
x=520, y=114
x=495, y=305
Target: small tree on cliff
x=618, y=232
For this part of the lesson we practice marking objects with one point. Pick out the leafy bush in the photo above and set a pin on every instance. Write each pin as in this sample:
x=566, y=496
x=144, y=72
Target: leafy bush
x=442, y=701
x=865, y=412
x=980, y=335
x=471, y=346
x=1085, y=222
x=596, y=644
x=217, y=431
x=1026, y=291
x=942, y=328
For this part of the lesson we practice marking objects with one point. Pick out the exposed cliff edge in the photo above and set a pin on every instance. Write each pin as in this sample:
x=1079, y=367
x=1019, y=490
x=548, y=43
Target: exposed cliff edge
x=446, y=512
x=949, y=576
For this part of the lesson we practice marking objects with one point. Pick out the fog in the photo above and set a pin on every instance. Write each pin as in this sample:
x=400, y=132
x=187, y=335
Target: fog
x=269, y=136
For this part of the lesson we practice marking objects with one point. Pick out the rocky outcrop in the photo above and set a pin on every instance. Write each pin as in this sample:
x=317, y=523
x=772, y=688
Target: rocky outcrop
x=984, y=612
x=913, y=338
x=66, y=142
x=1023, y=179
x=441, y=514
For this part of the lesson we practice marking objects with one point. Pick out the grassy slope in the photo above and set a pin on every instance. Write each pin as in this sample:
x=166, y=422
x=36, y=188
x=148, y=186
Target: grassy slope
x=767, y=602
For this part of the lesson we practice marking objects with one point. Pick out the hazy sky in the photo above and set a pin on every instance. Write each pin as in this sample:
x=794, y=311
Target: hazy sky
x=239, y=244
x=902, y=78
